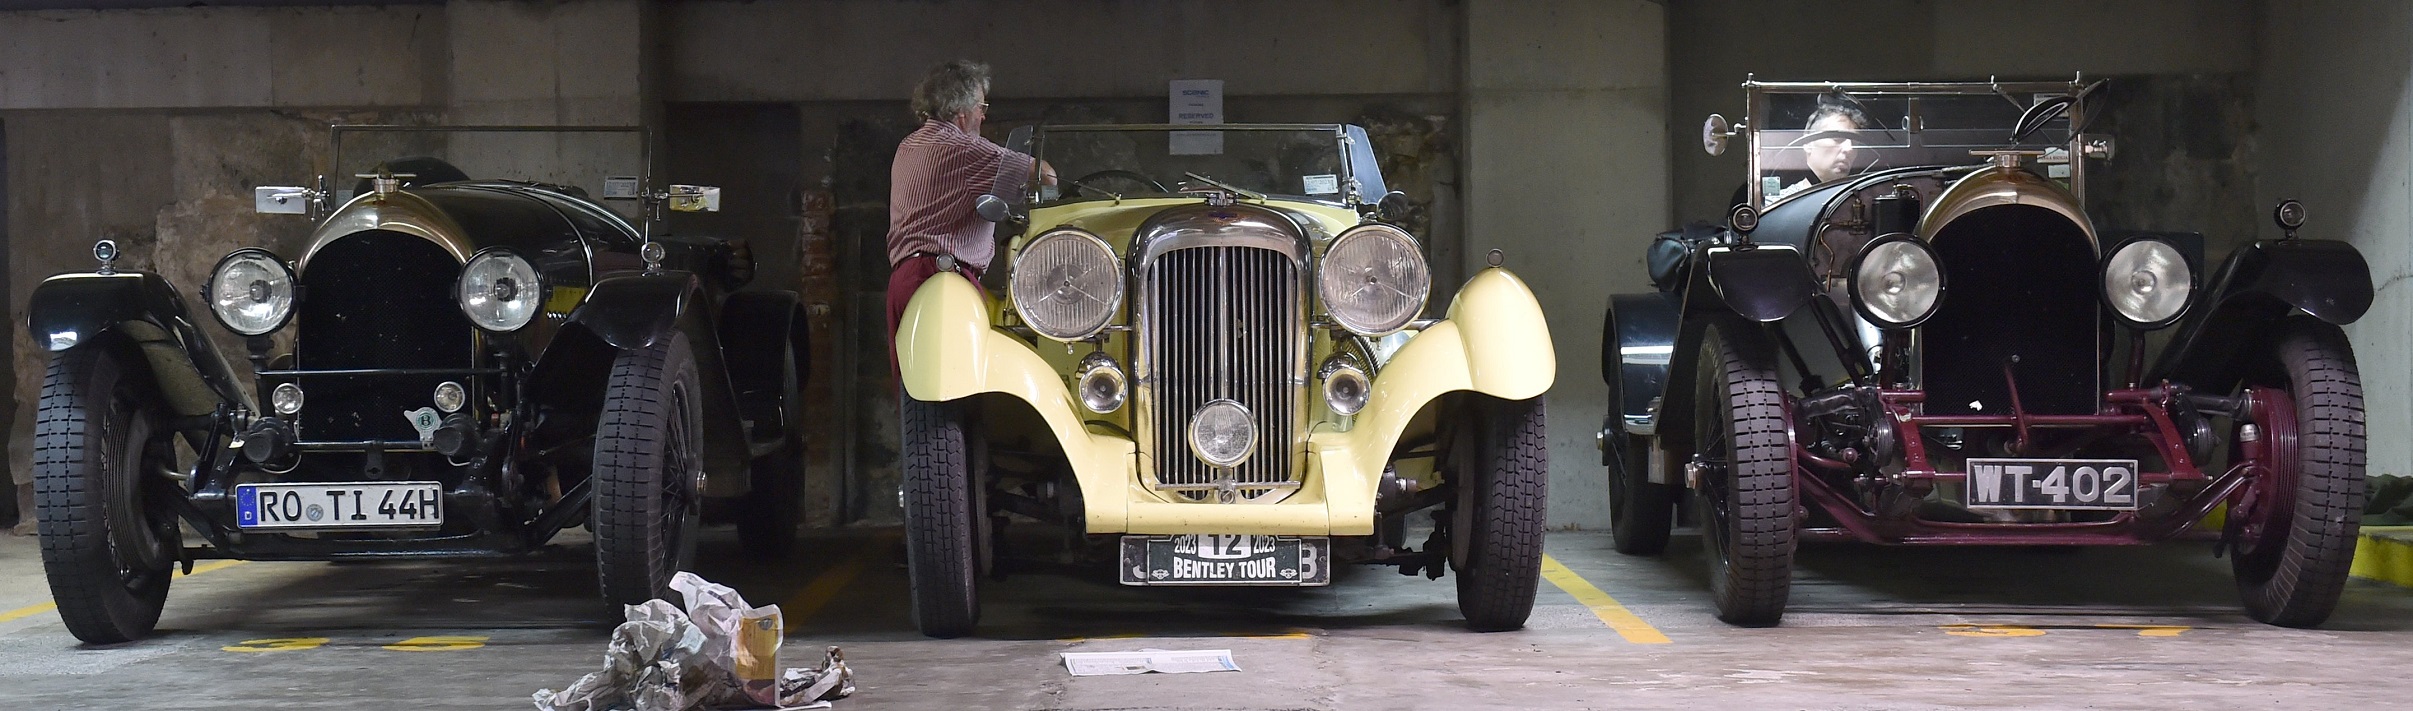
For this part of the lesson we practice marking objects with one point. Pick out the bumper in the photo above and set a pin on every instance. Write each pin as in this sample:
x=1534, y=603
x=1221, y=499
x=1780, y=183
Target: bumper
x=1494, y=342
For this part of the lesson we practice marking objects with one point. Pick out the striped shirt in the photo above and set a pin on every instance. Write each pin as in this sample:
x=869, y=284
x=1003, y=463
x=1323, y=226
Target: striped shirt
x=939, y=171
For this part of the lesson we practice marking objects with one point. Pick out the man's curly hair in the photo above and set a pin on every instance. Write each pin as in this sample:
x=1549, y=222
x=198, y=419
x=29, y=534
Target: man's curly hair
x=950, y=89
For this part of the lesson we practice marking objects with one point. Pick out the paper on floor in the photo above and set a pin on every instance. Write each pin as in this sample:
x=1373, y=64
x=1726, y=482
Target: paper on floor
x=1149, y=660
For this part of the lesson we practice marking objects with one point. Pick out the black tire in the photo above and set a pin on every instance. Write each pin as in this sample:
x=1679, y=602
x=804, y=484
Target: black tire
x=1746, y=495
x=1503, y=482
x=773, y=510
x=2293, y=570
x=941, y=540
x=648, y=449
x=109, y=556
x=1641, y=512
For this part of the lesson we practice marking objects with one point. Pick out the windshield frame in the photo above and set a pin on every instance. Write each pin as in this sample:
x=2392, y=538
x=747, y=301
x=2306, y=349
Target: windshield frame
x=1757, y=94
x=1348, y=140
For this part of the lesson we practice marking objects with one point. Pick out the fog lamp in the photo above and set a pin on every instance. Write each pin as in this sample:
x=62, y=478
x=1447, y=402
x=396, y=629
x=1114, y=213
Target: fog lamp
x=1222, y=433
x=287, y=398
x=450, y=397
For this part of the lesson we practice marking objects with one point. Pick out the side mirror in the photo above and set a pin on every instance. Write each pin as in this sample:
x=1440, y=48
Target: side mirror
x=1394, y=206
x=281, y=200
x=993, y=208
x=695, y=198
x=1715, y=133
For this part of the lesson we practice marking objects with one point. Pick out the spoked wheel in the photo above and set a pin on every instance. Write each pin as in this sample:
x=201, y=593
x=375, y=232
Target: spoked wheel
x=770, y=513
x=1502, y=480
x=1745, y=458
x=941, y=518
x=2293, y=529
x=108, y=550
x=648, y=450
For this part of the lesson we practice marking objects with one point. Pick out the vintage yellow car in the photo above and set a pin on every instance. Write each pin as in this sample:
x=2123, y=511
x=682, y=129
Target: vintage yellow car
x=1213, y=345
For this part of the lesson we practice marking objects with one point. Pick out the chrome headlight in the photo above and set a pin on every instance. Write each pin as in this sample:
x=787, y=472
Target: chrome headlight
x=500, y=291
x=1067, y=284
x=1101, y=383
x=251, y=292
x=1374, y=280
x=2147, y=282
x=1223, y=434
x=1897, y=282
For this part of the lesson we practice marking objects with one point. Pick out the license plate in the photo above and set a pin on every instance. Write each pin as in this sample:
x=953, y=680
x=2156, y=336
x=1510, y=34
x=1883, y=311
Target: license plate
x=386, y=505
x=2091, y=484
x=1215, y=559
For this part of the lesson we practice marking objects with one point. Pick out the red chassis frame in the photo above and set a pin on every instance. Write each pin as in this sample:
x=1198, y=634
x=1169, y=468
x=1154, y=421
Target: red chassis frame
x=2251, y=486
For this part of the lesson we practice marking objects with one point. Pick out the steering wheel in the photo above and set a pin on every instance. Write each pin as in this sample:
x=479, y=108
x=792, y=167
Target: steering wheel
x=1084, y=182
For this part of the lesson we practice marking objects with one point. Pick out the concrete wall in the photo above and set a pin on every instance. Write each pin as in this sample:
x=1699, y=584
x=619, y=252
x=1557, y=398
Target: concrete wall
x=1565, y=175
x=2336, y=131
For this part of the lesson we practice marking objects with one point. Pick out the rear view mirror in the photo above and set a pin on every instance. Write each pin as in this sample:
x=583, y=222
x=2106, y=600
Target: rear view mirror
x=993, y=208
x=695, y=198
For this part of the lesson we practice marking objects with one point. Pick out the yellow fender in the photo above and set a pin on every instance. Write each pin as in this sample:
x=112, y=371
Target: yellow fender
x=1494, y=342
x=946, y=350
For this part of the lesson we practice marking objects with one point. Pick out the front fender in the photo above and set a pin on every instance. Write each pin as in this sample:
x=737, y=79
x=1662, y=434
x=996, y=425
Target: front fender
x=1637, y=343
x=633, y=311
x=946, y=350
x=1764, y=283
x=637, y=311
x=70, y=311
x=2258, y=287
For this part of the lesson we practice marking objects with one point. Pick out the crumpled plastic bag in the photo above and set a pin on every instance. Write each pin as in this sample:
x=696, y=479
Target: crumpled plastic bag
x=720, y=653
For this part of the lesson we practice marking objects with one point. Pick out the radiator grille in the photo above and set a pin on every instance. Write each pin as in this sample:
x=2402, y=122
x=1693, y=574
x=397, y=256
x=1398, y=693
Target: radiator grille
x=1223, y=322
x=376, y=299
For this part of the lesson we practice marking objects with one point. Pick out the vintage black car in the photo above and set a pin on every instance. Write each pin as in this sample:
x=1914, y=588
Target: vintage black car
x=1911, y=331
x=474, y=366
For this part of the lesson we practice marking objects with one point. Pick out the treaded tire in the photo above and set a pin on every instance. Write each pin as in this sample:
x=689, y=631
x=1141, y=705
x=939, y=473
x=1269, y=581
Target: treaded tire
x=770, y=514
x=1746, y=503
x=648, y=447
x=941, y=546
x=1500, y=513
x=109, y=558
x=2297, y=583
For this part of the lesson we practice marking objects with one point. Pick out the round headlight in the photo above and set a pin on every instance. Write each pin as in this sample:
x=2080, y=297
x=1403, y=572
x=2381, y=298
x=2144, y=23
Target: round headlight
x=251, y=292
x=286, y=398
x=2147, y=282
x=1101, y=384
x=1067, y=284
x=1223, y=434
x=1345, y=387
x=450, y=397
x=1897, y=282
x=1374, y=280
x=500, y=291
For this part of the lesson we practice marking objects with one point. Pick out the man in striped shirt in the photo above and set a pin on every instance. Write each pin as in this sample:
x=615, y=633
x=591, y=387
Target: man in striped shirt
x=940, y=170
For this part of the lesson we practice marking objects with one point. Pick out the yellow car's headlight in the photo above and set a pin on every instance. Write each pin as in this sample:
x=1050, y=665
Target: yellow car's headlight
x=1067, y=284
x=1374, y=280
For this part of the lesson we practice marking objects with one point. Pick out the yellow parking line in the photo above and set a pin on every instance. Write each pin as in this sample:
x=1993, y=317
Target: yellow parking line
x=1624, y=621
x=826, y=587
x=31, y=610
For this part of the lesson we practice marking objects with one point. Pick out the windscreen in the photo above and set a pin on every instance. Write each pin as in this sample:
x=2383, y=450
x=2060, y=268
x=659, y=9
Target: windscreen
x=1807, y=139
x=601, y=163
x=1104, y=163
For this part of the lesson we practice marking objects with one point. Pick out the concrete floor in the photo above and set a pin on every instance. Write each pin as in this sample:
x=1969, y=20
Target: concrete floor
x=1869, y=628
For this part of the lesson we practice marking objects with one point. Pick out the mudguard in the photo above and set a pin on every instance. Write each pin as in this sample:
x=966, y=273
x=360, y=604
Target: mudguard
x=2260, y=285
x=637, y=311
x=69, y=311
x=1637, y=341
x=1764, y=282
x=757, y=329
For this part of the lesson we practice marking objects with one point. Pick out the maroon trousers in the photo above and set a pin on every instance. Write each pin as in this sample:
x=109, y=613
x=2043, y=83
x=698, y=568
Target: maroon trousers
x=903, y=279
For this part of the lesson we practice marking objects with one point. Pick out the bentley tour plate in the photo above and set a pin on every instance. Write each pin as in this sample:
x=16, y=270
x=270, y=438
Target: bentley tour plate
x=1217, y=559
x=2098, y=484
x=382, y=505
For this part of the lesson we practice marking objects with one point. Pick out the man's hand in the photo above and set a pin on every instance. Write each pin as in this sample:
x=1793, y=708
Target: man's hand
x=1047, y=174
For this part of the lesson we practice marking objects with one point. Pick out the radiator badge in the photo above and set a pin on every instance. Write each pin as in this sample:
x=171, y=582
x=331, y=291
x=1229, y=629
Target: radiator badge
x=425, y=420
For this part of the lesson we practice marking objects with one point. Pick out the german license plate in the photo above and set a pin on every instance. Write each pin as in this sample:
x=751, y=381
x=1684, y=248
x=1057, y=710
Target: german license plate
x=387, y=505
x=1216, y=559
x=2093, y=484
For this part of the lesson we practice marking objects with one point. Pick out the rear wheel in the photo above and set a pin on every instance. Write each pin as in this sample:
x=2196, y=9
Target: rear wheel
x=648, y=452
x=941, y=540
x=2294, y=528
x=1745, y=456
x=771, y=512
x=1641, y=512
x=1502, y=483
x=108, y=548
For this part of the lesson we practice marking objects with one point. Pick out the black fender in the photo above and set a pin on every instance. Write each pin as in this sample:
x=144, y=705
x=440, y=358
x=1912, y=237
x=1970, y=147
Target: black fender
x=1637, y=343
x=2258, y=287
x=637, y=311
x=141, y=312
x=1764, y=283
x=757, y=329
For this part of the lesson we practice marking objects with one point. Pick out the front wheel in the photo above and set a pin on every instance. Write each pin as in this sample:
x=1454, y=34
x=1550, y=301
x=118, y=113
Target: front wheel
x=941, y=543
x=108, y=551
x=1502, y=482
x=2295, y=527
x=648, y=452
x=1745, y=459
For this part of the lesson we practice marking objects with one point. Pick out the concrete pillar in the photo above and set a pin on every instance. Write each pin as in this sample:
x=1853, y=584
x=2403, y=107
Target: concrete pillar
x=2335, y=110
x=575, y=62
x=1567, y=169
